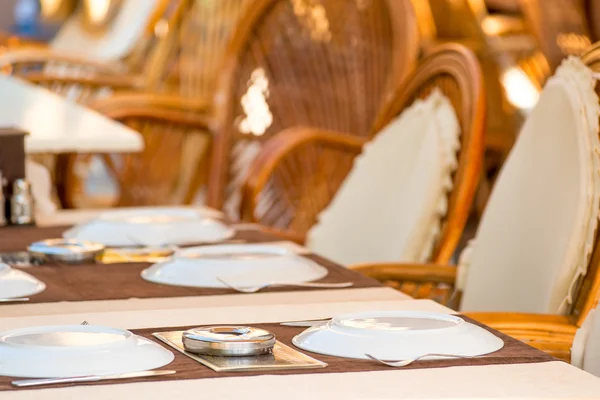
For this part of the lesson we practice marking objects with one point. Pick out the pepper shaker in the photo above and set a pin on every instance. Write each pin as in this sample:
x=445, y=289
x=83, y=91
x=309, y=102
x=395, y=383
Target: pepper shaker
x=21, y=203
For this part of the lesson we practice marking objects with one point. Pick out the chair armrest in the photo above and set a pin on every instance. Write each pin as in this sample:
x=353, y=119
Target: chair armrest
x=14, y=60
x=408, y=272
x=117, y=83
x=292, y=167
x=77, y=78
x=284, y=235
x=178, y=110
x=421, y=281
x=160, y=120
x=526, y=322
x=552, y=334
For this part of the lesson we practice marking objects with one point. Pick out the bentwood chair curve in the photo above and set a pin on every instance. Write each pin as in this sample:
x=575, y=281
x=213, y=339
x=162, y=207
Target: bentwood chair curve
x=327, y=63
x=551, y=332
x=286, y=194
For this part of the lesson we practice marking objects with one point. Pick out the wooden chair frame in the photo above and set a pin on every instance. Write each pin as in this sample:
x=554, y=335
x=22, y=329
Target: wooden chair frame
x=448, y=61
x=592, y=11
x=505, y=6
x=551, y=333
x=29, y=62
x=185, y=114
x=559, y=32
x=402, y=62
x=221, y=115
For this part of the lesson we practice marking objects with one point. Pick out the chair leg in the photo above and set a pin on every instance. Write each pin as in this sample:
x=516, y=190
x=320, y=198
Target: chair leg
x=200, y=175
x=62, y=171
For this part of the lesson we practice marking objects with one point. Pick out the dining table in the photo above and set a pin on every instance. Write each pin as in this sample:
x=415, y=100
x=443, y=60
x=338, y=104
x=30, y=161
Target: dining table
x=516, y=371
x=57, y=125
x=124, y=301
x=112, y=287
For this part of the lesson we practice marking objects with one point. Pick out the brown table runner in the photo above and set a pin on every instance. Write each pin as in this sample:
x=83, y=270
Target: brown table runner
x=122, y=281
x=513, y=352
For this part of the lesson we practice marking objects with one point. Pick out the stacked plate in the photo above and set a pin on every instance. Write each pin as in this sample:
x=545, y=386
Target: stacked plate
x=15, y=283
x=78, y=350
x=152, y=226
x=397, y=335
x=243, y=265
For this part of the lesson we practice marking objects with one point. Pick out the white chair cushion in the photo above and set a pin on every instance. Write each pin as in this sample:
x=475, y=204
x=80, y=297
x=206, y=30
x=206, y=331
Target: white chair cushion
x=114, y=44
x=536, y=235
x=390, y=206
x=585, y=352
x=581, y=339
x=464, y=263
x=591, y=356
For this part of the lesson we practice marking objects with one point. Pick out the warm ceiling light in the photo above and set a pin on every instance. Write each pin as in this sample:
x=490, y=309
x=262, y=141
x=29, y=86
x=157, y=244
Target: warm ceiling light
x=50, y=7
x=97, y=10
x=520, y=90
x=161, y=28
x=492, y=26
x=56, y=10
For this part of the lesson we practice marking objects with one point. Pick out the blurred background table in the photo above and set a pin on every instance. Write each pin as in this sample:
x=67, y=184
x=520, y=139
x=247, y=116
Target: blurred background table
x=57, y=125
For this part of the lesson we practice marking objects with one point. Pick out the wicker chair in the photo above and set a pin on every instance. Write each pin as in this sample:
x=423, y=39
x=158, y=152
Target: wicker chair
x=83, y=79
x=198, y=35
x=55, y=12
x=324, y=63
x=83, y=33
x=591, y=8
x=300, y=170
x=498, y=39
x=60, y=69
x=585, y=353
x=560, y=27
x=548, y=332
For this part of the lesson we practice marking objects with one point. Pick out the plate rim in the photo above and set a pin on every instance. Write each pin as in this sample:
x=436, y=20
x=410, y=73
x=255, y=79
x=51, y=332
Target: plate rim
x=128, y=335
x=23, y=276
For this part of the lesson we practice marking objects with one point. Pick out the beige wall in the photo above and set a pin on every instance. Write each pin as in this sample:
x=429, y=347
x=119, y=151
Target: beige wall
x=7, y=8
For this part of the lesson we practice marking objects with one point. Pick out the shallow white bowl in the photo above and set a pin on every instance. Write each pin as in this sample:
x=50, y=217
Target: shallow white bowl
x=397, y=335
x=77, y=350
x=152, y=226
x=242, y=265
x=16, y=283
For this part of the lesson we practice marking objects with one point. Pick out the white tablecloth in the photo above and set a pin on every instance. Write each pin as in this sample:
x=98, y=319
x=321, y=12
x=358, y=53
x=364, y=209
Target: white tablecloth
x=531, y=381
x=70, y=217
x=181, y=304
x=58, y=125
x=542, y=380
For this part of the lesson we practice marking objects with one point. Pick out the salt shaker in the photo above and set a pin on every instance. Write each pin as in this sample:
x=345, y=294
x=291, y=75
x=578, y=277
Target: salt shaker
x=2, y=201
x=21, y=203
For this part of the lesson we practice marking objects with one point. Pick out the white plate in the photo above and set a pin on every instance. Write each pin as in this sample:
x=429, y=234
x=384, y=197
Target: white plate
x=242, y=265
x=397, y=335
x=77, y=350
x=16, y=283
x=152, y=226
